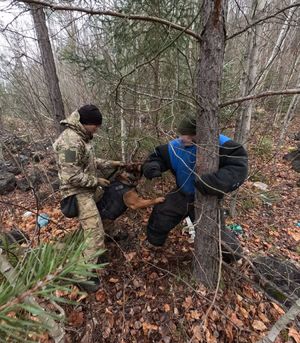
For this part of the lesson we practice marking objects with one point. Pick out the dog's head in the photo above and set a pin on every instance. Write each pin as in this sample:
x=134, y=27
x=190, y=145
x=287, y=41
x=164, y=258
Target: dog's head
x=130, y=174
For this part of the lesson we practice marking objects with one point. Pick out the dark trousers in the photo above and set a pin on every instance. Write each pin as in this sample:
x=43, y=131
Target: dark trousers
x=173, y=210
x=167, y=215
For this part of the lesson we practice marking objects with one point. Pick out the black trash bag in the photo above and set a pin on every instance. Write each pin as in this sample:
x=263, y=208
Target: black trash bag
x=69, y=206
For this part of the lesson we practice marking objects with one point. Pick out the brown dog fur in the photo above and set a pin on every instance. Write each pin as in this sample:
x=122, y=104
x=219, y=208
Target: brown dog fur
x=130, y=176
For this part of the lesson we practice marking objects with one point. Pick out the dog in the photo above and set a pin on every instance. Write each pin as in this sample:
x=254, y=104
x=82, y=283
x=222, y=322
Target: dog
x=122, y=194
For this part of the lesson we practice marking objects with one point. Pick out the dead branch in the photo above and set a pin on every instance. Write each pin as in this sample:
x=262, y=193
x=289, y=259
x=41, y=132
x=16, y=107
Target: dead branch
x=282, y=323
x=261, y=95
x=261, y=20
x=113, y=14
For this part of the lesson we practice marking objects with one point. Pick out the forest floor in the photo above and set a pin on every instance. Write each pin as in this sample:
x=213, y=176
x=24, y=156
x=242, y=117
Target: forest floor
x=152, y=296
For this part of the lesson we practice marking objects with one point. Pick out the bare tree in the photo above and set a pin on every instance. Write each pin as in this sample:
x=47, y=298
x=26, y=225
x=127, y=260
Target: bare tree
x=48, y=64
x=279, y=42
x=290, y=112
x=249, y=74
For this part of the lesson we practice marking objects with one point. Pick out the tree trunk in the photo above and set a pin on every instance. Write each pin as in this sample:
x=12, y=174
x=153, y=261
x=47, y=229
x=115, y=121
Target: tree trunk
x=1, y=153
x=123, y=128
x=156, y=103
x=208, y=82
x=289, y=116
x=279, y=42
x=249, y=76
x=48, y=65
x=287, y=79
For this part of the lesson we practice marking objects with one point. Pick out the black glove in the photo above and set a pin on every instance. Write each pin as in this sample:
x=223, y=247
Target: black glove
x=151, y=170
x=206, y=190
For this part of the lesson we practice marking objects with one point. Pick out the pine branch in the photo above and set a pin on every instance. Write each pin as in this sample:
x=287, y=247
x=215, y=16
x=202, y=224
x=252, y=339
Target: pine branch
x=39, y=274
x=113, y=14
x=55, y=330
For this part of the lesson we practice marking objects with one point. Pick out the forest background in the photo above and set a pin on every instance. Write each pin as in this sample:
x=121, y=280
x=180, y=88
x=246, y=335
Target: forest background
x=137, y=61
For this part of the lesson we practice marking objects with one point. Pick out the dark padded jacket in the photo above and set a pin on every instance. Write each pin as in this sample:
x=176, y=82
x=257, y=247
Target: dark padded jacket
x=112, y=205
x=232, y=172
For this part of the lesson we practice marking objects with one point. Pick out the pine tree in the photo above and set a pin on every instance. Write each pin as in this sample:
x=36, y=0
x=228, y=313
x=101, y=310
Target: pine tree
x=35, y=277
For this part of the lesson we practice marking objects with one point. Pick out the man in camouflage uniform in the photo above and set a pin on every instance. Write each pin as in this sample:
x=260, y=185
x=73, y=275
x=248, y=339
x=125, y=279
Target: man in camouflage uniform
x=77, y=167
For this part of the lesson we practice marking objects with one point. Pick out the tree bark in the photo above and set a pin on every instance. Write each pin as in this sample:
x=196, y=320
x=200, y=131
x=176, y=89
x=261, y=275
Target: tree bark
x=48, y=65
x=208, y=82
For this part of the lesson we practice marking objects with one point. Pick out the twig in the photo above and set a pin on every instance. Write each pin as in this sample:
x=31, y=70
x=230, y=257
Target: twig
x=113, y=14
x=261, y=20
x=261, y=95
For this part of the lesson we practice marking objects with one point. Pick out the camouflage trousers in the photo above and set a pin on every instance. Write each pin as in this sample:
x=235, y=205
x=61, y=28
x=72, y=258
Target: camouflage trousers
x=91, y=224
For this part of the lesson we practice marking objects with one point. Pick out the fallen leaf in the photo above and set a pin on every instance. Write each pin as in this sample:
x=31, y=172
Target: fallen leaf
x=244, y=312
x=263, y=317
x=167, y=307
x=60, y=293
x=153, y=276
x=197, y=332
x=76, y=318
x=147, y=327
x=130, y=256
x=100, y=295
x=239, y=298
x=294, y=334
x=187, y=302
x=258, y=325
x=235, y=320
x=214, y=315
x=195, y=315
x=113, y=280
x=74, y=293
x=295, y=235
x=278, y=309
x=229, y=333
x=210, y=338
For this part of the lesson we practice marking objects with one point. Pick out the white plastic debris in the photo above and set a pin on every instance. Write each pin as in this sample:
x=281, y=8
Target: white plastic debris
x=191, y=227
x=260, y=185
x=27, y=214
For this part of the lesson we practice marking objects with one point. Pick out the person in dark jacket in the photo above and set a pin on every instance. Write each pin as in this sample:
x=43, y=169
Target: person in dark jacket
x=179, y=156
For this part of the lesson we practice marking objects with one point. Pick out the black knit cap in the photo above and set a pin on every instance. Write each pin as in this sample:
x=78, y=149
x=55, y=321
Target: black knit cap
x=90, y=115
x=187, y=126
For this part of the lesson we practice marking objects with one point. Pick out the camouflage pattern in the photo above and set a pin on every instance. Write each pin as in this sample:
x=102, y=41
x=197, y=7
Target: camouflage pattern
x=76, y=160
x=77, y=167
x=91, y=224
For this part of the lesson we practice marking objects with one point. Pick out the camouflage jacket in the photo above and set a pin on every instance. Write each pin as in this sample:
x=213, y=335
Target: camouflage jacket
x=75, y=158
